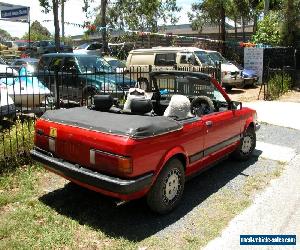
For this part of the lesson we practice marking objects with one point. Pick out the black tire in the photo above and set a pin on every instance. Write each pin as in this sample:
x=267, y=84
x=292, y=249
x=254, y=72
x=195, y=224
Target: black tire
x=167, y=191
x=228, y=88
x=247, y=145
x=202, y=105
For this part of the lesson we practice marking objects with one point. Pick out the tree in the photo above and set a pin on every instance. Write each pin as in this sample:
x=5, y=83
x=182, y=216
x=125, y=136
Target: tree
x=244, y=9
x=103, y=24
x=289, y=28
x=268, y=31
x=210, y=12
x=279, y=27
x=141, y=15
x=46, y=4
x=4, y=35
x=37, y=32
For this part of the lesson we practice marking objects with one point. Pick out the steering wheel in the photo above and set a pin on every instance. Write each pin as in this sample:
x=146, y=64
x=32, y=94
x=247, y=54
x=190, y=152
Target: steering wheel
x=202, y=105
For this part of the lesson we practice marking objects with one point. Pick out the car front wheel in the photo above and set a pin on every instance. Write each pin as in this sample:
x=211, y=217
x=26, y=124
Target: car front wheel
x=246, y=146
x=167, y=191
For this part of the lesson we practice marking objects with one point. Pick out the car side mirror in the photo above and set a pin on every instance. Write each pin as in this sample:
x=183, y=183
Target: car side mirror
x=233, y=105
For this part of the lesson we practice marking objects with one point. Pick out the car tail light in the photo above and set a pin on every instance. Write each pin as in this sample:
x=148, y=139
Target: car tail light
x=110, y=162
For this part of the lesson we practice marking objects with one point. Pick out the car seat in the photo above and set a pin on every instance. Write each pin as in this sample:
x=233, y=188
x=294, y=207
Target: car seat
x=179, y=107
x=133, y=93
x=141, y=107
x=103, y=102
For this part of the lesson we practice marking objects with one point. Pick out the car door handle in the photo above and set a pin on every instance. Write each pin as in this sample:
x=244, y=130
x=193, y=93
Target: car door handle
x=208, y=123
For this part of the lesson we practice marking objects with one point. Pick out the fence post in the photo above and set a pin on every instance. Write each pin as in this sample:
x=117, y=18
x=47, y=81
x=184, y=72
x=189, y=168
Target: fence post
x=56, y=89
x=282, y=73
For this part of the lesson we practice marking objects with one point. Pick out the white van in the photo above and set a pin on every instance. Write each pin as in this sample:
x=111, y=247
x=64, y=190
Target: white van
x=182, y=58
x=231, y=74
x=139, y=61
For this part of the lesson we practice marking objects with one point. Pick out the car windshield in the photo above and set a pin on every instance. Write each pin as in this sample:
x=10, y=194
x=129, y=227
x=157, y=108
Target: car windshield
x=89, y=64
x=83, y=46
x=217, y=57
x=19, y=44
x=169, y=85
x=2, y=61
x=116, y=63
x=204, y=57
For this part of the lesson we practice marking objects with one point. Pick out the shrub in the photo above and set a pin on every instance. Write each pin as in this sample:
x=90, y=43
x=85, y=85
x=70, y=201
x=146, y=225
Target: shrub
x=16, y=140
x=279, y=84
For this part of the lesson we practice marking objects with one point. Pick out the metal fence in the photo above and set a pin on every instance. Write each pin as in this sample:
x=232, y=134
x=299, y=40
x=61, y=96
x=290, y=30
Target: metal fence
x=277, y=81
x=25, y=97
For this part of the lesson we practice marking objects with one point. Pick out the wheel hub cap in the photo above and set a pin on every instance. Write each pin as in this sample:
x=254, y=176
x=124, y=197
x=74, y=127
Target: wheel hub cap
x=247, y=144
x=172, y=185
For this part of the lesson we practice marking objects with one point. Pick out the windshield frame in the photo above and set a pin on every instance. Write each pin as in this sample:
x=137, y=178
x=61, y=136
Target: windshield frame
x=210, y=62
x=105, y=67
x=217, y=57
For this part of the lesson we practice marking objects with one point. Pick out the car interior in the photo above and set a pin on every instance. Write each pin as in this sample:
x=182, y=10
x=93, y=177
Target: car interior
x=177, y=97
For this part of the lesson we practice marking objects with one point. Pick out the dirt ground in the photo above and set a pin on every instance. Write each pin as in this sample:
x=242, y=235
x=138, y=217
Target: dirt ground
x=256, y=93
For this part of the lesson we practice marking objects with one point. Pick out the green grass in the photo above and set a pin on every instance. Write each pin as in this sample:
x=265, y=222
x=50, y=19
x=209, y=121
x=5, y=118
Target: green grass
x=26, y=222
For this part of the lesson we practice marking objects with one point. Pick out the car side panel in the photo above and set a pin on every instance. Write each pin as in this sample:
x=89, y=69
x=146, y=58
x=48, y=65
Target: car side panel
x=152, y=153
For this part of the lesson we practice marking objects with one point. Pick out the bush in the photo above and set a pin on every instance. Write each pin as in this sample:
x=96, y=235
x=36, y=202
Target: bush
x=279, y=84
x=16, y=140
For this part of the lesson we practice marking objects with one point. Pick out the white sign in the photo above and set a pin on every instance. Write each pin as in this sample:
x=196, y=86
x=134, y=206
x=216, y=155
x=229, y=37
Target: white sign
x=10, y=12
x=254, y=59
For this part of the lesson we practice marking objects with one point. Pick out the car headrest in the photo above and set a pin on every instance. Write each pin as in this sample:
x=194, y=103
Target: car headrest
x=103, y=102
x=179, y=107
x=141, y=106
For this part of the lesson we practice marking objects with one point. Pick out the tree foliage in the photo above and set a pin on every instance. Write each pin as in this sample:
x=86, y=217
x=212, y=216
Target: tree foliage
x=4, y=35
x=37, y=32
x=269, y=29
x=279, y=27
x=205, y=12
x=140, y=14
x=53, y=5
x=289, y=29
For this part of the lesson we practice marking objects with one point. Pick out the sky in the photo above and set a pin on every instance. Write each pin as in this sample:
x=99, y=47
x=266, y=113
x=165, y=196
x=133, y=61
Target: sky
x=73, y=14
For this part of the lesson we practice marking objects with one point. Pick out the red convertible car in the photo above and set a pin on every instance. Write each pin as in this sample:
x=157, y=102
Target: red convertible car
x=171, y=128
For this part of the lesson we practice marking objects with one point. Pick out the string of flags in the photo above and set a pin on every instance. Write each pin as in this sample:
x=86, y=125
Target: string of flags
x=94, y=28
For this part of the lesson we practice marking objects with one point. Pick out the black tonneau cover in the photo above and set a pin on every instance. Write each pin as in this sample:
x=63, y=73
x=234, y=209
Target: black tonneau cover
x=135, y=126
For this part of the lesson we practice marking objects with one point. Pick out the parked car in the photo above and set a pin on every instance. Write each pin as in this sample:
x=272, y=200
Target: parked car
x=139, y=61
x=231, y=74
x=7, y=106
x=26, y=91
x=2, y=61
x=20, y=45
x=7, y=71
x=48, y=46
x=94, y=48
x=81, y=75
x=29, y=63
x=250, y=77
x=116, y=64
x=151, y=149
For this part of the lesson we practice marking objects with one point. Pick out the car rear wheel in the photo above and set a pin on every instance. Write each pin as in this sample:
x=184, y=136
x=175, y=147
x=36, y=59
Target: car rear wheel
x=247, y=145
x=167, y=191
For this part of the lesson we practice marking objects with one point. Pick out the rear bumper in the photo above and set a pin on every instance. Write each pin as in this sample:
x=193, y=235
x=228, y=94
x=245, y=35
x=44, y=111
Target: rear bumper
x=237, y=82
x=250, y=80
x=91, y=178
